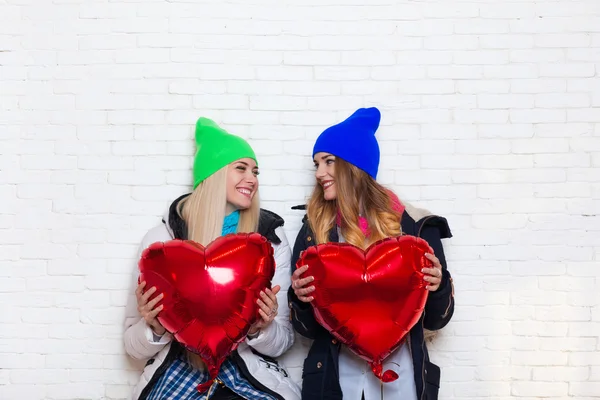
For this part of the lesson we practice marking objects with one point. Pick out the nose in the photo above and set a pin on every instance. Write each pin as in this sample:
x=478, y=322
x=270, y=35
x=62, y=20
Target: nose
x=251, y=179
x=320, y=173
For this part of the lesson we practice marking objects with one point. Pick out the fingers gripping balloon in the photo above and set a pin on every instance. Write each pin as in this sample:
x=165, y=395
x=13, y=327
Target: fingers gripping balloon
x=369, y=300
x=209, y=293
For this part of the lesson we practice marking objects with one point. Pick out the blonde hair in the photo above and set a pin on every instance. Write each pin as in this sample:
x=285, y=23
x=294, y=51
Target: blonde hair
x=356, y=191
x=204, y=211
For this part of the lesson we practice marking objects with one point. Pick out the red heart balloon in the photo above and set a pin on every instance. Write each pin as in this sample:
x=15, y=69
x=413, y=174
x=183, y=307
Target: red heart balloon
x=369, y=300
x=209, y=293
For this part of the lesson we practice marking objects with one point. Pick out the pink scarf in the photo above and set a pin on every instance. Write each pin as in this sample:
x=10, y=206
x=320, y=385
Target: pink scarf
x=362, y=221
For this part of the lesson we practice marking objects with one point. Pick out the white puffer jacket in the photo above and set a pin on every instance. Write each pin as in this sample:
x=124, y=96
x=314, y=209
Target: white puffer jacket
x=273, y=341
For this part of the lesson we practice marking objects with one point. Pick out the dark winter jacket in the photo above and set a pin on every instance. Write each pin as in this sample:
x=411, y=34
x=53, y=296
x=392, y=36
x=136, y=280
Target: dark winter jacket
x=320, y=373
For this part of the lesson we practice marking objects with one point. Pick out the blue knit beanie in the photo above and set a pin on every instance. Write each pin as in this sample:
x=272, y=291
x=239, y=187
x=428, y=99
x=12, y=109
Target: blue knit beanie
x=354, y=140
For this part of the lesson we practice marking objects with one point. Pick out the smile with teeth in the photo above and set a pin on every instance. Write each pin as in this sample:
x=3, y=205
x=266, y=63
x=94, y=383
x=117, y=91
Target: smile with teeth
x=244, y=191
x=327, y=184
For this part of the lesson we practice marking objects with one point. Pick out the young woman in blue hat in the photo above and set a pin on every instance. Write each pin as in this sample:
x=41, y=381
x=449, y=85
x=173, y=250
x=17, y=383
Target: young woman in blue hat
x=224, y=200
x=348, y=205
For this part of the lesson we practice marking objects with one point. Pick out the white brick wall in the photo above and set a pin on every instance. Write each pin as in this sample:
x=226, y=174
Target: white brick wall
x=491, y=117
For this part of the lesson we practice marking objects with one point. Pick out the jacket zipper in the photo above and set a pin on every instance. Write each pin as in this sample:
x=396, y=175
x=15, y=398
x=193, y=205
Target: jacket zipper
x=222, y=384
x=449, y=300
x=297, y=319
x=246, y=373
x=423, y=350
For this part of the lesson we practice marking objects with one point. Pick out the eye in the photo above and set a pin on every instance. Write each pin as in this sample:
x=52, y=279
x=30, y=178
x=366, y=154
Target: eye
x=316, y=165
x=240, y=168
x=330, y=161
x=256, y=172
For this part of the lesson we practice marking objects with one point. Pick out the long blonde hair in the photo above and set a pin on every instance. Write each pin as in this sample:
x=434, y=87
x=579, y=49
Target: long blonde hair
x=356, y=191
x=204, y=211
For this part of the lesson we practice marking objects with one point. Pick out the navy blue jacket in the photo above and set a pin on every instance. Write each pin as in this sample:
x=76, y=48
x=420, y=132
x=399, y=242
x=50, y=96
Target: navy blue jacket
x=320, y=374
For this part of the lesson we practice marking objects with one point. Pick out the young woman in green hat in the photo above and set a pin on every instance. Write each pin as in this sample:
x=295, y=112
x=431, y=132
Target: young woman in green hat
x=224, y=200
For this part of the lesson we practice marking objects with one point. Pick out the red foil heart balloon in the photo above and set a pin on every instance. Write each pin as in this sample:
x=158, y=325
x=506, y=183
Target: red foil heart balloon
x=209, y=293
x=369, y=300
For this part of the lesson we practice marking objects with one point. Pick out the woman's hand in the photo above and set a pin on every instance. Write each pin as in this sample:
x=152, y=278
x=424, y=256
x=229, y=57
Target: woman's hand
x=433, y=275
x=298, y=284
x=267, y=308
x=147, y=310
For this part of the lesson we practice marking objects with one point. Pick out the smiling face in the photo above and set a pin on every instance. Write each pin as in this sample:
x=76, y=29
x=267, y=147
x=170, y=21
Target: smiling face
x=242, y=184
x=325, y=174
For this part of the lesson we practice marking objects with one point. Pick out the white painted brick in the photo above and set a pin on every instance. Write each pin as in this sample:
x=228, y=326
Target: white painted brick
x=58, y=284
x=584, y=115
x=455, y=42
x=566, y=189
x=427, y=86
x=481, y=116
x=584, y=358
x=507, y=101
x=80, y=390
x=564, y=130
x=522, y=389
x=49, y=315
x=454, y=72
x=448, y=131
x=562, y=100
x=162, y=102
x=514, y=343
x=585, y=144
x=579, y=389
x=506, y=41
x=480, y=57
x=506, y=11
x=563, y=314
x=562, y=160
x=583, y=174
x=505, y=161
x=567, y=70
x=481, y=146
x=33, y=392
x=135, y=117
x=537, y=55
x=549, y=374
x=479, y=390
x=533, y=146
x=81, y=147
x=539, y=116
x=86, y=57
x=297, y=73
x=590, y=55
x=539, y=358
x=562, y=40
x=510, y=71
x=40, y=162
x=496, y=373
x=493, y=131
x=397, y=72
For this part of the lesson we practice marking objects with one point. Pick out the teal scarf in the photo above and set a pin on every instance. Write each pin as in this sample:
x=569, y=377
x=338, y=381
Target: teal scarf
x=230, y=223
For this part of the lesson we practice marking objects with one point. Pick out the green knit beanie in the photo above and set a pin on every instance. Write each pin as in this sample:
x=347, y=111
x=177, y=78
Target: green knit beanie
x=216, y=148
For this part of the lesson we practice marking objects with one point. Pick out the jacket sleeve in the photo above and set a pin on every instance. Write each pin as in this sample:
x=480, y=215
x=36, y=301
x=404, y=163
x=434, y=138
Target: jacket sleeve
x=138, y=338
x=440, y=304
x=302, y=316
x=278, y=336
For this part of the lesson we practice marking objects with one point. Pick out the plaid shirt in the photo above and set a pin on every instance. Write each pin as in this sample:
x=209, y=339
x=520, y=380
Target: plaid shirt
x=180, y=380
